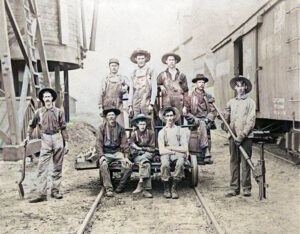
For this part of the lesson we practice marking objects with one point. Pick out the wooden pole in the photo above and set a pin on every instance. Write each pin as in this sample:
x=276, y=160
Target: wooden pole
x=58, y=102
x=94, y=26
x=66, y=95
x=8, y=80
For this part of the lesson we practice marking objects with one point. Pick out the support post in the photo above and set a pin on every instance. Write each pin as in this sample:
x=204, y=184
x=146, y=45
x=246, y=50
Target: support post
x=66, y=95
x=8, y=80
x=58, y=102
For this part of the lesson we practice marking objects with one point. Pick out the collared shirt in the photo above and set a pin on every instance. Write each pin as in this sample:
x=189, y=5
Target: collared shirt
x=49, y=121
x=152, y=82
x=145, y=139
x=174, y=136
x=241, y=112
x=111, y=139
x=113, y=78
x=201, y=104
x=179, y=76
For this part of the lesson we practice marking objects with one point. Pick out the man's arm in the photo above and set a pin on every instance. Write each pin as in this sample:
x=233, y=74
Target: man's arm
x=151, y=147
x=161, y=144
x=212, y=114
x=63, y=125
x=124, y=143
x=99, y=142
x=102, y=92
x=250, y=120
x=184, y=86
x=32, y=124
x=130, y=94
x=153, y=87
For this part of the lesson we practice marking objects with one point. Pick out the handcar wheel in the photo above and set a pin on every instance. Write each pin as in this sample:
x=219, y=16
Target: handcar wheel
x=194, y=174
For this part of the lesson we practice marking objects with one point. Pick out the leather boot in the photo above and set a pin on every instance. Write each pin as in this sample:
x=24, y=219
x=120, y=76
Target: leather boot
x=174, y=190
x=109, y=192
x=41, y=198
x=124, y=180
x=139, y=188
x=147, y=194
x=207, y=159
x=167, y=193
x=56, y=194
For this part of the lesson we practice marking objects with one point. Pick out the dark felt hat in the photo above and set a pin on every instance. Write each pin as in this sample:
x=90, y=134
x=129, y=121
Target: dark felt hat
x=52, y=91
x=140, y=52
x=116, y=111
x=241, y=78
x=200, y=77
x=165, y=57
x=169, y=108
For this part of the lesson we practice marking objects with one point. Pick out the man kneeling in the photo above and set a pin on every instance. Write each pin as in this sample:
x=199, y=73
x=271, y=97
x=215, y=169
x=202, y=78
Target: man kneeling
x=142, y=147
x=173, y=147
x=112, y=146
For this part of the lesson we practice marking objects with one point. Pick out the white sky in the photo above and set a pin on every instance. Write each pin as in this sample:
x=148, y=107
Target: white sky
x=124, y=26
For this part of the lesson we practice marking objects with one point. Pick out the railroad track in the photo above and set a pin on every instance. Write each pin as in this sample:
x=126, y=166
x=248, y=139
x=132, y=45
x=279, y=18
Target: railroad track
x=213, y=222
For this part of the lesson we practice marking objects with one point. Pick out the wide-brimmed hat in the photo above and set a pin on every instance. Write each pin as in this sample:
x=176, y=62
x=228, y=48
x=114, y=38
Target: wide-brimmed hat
x=200, y=77
x=140, y=52
x=140, y=117
x=169, y=108
x=113, y=60
x=52, y=91
x=116, y=111
x=165, y=57
x=241, y=78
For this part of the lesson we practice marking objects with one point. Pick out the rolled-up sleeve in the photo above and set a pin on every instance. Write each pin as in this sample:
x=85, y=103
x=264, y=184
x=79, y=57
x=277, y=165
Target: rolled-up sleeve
x=32, y=123
x=250, y=120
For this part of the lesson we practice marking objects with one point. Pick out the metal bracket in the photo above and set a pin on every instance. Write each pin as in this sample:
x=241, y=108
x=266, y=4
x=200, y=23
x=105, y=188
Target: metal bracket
x=289, y=40
x=292, y=9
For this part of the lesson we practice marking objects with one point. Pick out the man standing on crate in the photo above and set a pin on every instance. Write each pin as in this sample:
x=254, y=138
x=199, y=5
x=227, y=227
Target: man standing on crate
x=143, y=86
x=199, y=105
x=112, y=90
x=240, y=114
x=173, y=148
x=52, y=125
x=112, y=146
x=173, y=83
x=142, y=148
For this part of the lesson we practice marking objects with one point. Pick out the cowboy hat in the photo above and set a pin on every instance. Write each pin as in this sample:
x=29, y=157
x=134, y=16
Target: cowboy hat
x=169, y=108
x=241, y=78
x=52, y=91
x=200, y=77
x=140, y=117
x=116, y=111
x=140, y=52
x=165, y=57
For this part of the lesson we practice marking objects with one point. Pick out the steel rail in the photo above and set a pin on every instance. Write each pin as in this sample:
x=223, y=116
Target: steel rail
x=91, y=212
x=209, y=212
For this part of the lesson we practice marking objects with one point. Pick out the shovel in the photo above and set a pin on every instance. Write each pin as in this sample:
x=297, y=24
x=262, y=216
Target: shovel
x=20, y=186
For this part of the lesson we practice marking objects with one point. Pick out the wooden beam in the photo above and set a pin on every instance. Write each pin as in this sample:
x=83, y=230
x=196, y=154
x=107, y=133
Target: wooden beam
x=94, y=26
x=58, y=102
x=8, y=79
x=41, y=46
x=83, y=26
x=5, y=137
x=63, y=22
x=66, y=95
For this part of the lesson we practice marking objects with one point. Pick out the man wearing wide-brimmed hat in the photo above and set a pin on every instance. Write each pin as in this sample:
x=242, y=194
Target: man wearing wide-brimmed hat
x=112, y=146
x=143, y=86
x=173, y=147
x=172, y=82
x=142, y=148
x=52, y=126
x=199, y=105
x=113, y=87
x=240, y=114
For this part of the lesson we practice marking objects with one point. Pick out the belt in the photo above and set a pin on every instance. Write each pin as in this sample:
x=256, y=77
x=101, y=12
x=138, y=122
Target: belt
x=51, y=133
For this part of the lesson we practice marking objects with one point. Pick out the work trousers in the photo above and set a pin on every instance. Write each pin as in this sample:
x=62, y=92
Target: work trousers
x=52, y=147
x=143, y=161
x=166, y=161
x=104, y=171
x=235, y=159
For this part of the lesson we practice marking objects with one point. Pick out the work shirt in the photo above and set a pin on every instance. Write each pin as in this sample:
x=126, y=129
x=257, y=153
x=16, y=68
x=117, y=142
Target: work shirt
x=107, y=89
x=163, y=77
x=145, y=140
x=174, y=136
x=139, y=72
x=50, y=121
x=200, y=105
x=240, y=113
x=111, y=139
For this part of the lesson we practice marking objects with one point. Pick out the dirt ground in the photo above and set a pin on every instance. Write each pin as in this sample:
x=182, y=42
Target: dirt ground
x=125, y=213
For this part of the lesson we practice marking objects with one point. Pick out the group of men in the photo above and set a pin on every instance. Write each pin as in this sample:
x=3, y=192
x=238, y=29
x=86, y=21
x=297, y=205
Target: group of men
x=174, y=143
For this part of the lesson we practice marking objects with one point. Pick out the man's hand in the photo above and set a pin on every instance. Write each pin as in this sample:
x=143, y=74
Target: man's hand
x=124, y=89
x=128, y=162
x=130, y=111
x=163, y=90
x=26, y=140
x=66, y=148
x=150, y=109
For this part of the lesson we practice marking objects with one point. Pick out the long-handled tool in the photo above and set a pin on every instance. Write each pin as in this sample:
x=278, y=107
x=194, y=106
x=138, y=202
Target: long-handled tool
x=20, y=186
x=258, y=170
